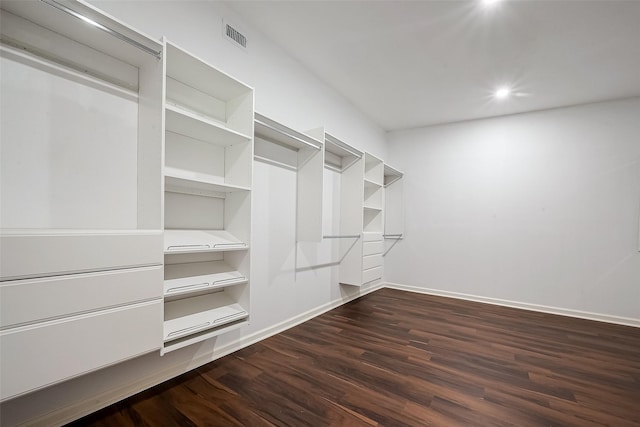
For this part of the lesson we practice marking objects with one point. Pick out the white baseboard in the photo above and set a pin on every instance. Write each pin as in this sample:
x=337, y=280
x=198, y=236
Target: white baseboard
x=522, y=305
x=79, y=409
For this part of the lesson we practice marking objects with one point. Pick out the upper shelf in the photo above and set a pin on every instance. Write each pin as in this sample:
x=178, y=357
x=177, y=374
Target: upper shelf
x=82, y=22
x=391, y=175
x=199, y=75
x=184, y=122
x=277, y=133
x=339, y=155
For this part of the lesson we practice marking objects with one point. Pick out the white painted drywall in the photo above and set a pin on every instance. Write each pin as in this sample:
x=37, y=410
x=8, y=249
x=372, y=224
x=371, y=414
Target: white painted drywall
x=286, y=91
x=286, y=286
x=539, y=208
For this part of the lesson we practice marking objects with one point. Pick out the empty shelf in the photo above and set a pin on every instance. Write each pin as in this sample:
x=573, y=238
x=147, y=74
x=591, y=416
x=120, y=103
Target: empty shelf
x=372, y=208
x=186, y=241
x=193, y=125
x=181, y=279
x=184, y=180
x=191, y=315
x=277, y=133
x=370, y=183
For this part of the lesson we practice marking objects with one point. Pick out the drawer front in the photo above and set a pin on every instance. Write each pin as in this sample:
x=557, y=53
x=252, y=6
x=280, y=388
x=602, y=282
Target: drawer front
x=371, y=274
x=25, y=301
x=371, y=261
x=34, y=357
x=372, y=237
x=371, y=248
x=24, y=256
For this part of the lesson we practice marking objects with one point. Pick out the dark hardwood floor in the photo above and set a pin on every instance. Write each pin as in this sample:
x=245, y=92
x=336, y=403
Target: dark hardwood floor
x=396, y=358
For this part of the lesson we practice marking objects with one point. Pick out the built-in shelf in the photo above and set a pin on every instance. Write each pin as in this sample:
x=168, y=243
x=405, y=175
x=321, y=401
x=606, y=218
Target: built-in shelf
x=391, y=175
x=372, y=184
x=193, y=241
x=280, y=134
x=192, y=315
x=181, y=180
x=209, y=134
x=185, y=278
x=372, y=208
x=193, y=125
x=339, y=155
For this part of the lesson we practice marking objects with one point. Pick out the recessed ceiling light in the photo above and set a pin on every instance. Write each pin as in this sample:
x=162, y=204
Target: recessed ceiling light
x=502, y=92
x=489, y=3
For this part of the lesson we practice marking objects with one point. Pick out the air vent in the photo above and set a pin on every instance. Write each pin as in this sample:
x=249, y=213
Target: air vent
x=235, y=36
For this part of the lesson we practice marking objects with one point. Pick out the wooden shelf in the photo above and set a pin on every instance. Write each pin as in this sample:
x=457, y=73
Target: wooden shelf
x=193, y=125
x=181, y=180
x=182, y=279
x=192, y=315
x=193, y=241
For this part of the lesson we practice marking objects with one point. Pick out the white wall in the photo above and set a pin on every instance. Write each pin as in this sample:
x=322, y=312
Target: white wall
x=286, y=91
x=288, y=283
x=539, y=208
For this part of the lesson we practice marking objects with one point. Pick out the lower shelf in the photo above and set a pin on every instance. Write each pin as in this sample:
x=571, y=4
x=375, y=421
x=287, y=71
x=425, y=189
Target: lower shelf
x=181, y=279
x=192, y=315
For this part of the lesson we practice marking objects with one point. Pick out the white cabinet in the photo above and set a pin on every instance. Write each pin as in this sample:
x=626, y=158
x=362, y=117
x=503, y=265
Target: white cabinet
x=208, y=152
x=80, y=193
x=282, y=146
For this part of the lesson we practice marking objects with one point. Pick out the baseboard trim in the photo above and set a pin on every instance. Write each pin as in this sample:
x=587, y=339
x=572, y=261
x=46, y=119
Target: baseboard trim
x=80, y=409
x=522, y=305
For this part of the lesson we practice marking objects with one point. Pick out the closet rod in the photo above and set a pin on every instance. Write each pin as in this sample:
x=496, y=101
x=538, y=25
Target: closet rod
x=392, y=236
x=65, y=9
x=343, y=236
x=300, y=140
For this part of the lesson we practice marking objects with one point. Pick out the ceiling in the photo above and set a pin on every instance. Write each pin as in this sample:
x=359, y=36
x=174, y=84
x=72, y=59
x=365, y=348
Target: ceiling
x=408, y=64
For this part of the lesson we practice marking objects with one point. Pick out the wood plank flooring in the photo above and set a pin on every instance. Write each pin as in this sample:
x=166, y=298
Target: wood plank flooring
x=395, y=358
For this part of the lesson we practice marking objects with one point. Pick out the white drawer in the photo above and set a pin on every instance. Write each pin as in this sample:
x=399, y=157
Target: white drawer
x=25, y=301
x=37, y=356
x=372, y=237
x=371, y=274
x=371, y=261
x=24, y=256
x=371, y=248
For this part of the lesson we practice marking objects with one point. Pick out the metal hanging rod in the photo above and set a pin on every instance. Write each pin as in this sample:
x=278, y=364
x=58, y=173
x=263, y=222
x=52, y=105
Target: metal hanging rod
x=65, y=9
x=343, y=236
x=393, y=236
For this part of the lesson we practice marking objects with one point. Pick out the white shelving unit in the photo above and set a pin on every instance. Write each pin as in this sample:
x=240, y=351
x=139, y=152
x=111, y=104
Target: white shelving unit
x=372, y=214
x=393, y=204
x=280, y=145
x=207, y=200
x=81, y=190
x=346, y=160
